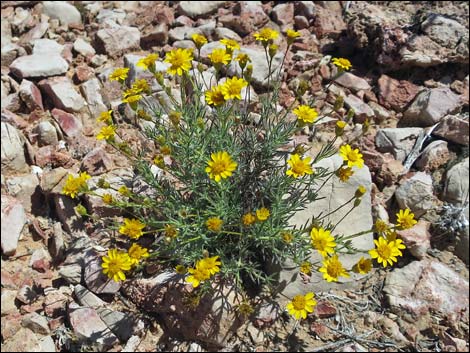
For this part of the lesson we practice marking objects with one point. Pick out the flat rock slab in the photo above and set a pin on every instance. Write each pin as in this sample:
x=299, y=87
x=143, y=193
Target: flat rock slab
x=39, y=65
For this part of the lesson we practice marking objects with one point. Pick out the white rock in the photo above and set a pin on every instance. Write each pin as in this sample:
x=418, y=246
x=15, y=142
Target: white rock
x=63, y=11
x=39, y=65
x=91, y=90
x=118, y=39
x=82, y=47
x=352, y=82
x=36, y=323
x=47, y=134
x=62, y=92
x=12, y=152
x=23, y=188
x=416, y=194
x=397, y=141
x=361, y=109
x=456, y=185
x=46, y=47
x=196, y=9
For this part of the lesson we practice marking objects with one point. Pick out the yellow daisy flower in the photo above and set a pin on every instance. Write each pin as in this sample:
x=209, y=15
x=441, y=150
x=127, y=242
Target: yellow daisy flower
x=106, y=133
x=299, y=167
x=115, y=264
x=141, y=86
x=199, y=40
x=220, y=166
x=363, y=266
x=386, y=252
x=219, y=57
x=243, y=59
x=119, y=75
x=342, y=63
x=262, y=214
x=180, y=60
x=136, y=252
x=74, y=185
x=214, y=224
x=215, y=96
x=301, y=305
x=306, y=268
x=381, y=227
x=132, y=228
x=107, y=199
x=323, y=241
x=197, y=275
x=306, y=114
x=248, y=219
x=287, y=237
x=405, y=219
x=232, y=88
x=230, y=45
x=291, y=35
x=148, y=63
x=266, y=35
x=352, y=157
x=332, y=269
x=106, y=117
x=211, y=264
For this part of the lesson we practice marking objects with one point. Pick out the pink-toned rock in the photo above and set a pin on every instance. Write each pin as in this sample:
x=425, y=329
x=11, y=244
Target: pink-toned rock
x=24, y=340
x=49, y=156
x=69, y=124
x=116, y=40
x=266, y=315
x=55, y=304
x=31, y=95
x=433, y=156
x=328, y=22
x=10, y=324
x=361, y=110
x=301, y=22
x=13, y=220
x=324, y=310
x=97, y=162
x=63, y=94
x=352, y=82
x=427, y=286
x=417, y=239
x=84, y=73
x=453, y=128
x=396, y=94
x=247, y=17
x=283, y=14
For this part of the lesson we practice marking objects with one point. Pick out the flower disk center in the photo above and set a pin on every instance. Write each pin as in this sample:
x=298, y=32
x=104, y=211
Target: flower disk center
x=299, y=302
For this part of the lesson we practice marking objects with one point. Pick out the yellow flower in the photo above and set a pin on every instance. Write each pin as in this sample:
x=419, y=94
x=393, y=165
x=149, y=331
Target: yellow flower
x=399, y=245
x=262, y=214
x=141, y=86
x=132, y=99
x=219, y=57
x=323, y=241
x=306, y=267
x=106, y=117
x=170, y=231
x=291, y=35
x=353, y=157
x=391, y=235
x=106, y=133
x=332, y=269
x=342, y=63
x=266, y=35
x=180, y=60
x=243, y=59
x=301, y=305
x=132, y=228
x=124, y=191
x=405, y=219
x=299, y=167
x=220, y=166
x=214, y=224
x=107, y=198
x=287, y=237
x=344, y=174
x=232, y=88
x=230, y=45
x=197, y=276
x=165, y=150
x=360, y=191
x=363, y=266
x=115, y=264
x=381, y=227
x=306, y=114
x=248, y=219
x=215, y=96
x=199, y=40
x=136, y=252
x=75, y=185
x=148, y=63
x=181, y=269
x=245, y=308
x=339, y=128
x=211, y=264
x=386, y=252
x=119, y=74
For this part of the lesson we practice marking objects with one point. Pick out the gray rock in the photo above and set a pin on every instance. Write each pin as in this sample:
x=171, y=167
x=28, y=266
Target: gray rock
x=46, y=47
x=195, y=9
x=361, y=110
x=47, y=134
x=37, y=31
x=84, y=48
x=88, y=326
x=64, y=206
x=398, y=141
x=131, y=344
x=95, y=280
x=57, y=243
x=380, y=112
x=12, y=152
x=87, y=298
x=71, y=273
x=91, y=90
x=433, y=156
x=453, y=128
x=123, y=325
x=63, y=94
x=416, y=194
x=24, y=340
x=353, y=82
x=430, y=106
x=157, y=35
x=31, y=95
x=426, y=286
x=222, y=32
x=116, y=40
x=114, y=15
x=23, y=188
x=10, y=52
x=36, y=323
x=182, y=33
x=456, y=184
x=63, y=11
x=47, y=344
x=5, y=32
x=13, y=220
x=283, y=14
x=335, y=194
x=443, y=30
x=39, y=65
x=305, y=8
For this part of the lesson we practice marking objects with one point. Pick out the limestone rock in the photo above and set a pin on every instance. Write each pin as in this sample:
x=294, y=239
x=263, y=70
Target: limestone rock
x=416, y=194
x=63, y=11
x=397, y=141
x=39, y=65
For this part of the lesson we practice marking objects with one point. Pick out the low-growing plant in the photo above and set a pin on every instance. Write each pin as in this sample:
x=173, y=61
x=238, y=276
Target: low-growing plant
x=227, y=184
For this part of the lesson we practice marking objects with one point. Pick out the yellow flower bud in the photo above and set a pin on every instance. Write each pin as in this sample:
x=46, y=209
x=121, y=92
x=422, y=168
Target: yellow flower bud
x=339, y=128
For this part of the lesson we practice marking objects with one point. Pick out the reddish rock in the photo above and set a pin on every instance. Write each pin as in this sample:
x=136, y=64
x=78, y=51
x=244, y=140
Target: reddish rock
x=69, y=124
x=328, y=23
x=301, y=22
x=97, y=162
x=324, y=310
x=396, y=94
x=10, y=325
x=55, y=304
x=84, y=73
x=433, y=156
x=31, y=95
x=247, y=17
x=417, y=239
x=283, y=14
x=48, y=156
x=453, y=128
x=62, y=93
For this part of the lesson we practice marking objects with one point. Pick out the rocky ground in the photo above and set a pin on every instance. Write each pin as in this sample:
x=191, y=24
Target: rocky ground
x=410, y=79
